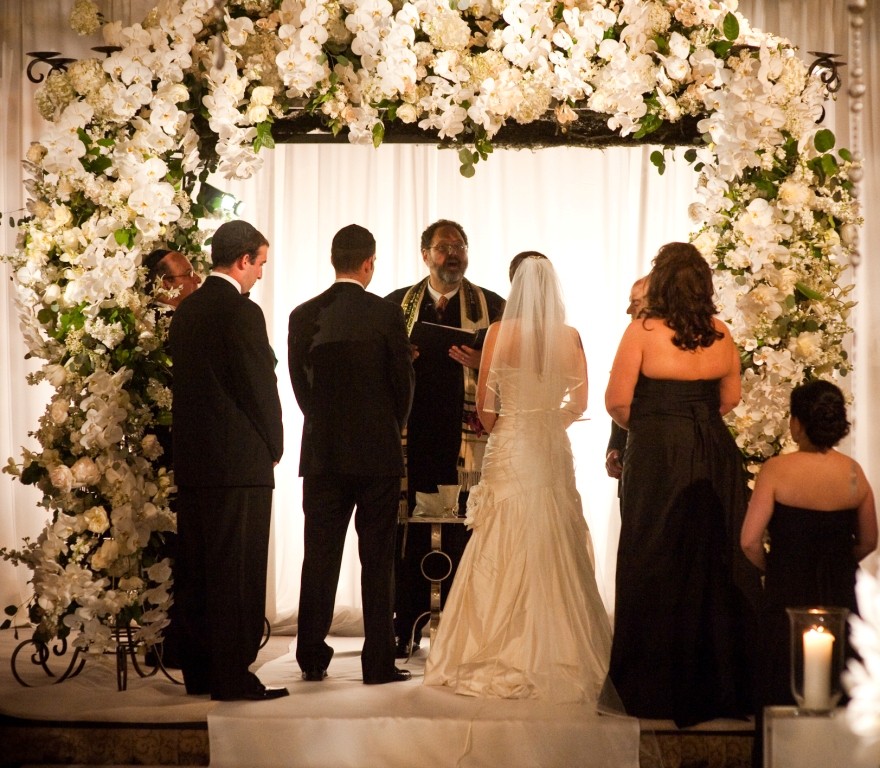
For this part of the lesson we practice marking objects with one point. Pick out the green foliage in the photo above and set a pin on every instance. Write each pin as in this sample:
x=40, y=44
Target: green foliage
x=730, y=27
x=658, y=159
x=264, y=136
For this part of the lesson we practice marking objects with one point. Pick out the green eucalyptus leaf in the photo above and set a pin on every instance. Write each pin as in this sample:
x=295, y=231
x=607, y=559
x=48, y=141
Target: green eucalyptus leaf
x=829, y=165
x=378, y=133
x=659, y=160
x=721, y=48
x=730, y=27
x=824, y=140
x=468, y=171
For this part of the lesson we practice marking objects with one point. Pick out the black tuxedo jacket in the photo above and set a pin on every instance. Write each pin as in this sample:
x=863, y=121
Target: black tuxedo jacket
x=352, y=375
x=226, y=412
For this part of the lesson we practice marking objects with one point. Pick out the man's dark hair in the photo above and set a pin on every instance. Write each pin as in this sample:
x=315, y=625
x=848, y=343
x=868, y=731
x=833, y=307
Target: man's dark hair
x=234, y=239
x=428, y=234
x=351, y=247
x=156, y=270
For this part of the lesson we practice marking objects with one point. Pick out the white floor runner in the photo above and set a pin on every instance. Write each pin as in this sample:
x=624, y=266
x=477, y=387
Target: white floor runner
x=341, y=723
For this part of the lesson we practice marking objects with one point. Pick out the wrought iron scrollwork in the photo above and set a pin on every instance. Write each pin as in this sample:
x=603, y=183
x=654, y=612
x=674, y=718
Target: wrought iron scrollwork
x=53, y=59
x=126, y=648
x=40, y=656
x=826, y=67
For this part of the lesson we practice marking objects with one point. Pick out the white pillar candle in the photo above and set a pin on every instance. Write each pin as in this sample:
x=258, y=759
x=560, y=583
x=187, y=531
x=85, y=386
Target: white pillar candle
x=817, y=669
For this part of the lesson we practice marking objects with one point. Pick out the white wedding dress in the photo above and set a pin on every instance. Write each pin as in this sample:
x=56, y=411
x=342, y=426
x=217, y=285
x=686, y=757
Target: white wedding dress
x=524, y=618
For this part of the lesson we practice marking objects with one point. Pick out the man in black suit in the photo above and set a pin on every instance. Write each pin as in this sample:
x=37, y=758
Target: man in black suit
x=171, y=278
x=351, y=369
x=227, y=438
x=444, y=439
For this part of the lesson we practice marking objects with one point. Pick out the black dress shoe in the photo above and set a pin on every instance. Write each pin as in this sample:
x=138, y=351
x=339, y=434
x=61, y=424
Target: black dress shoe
x=314, y=674
x=404, y=650
x=397, y=676
x=258, y=694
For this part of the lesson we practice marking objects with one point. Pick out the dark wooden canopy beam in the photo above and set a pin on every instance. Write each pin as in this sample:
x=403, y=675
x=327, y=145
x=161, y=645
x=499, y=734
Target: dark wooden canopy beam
x=590, y=130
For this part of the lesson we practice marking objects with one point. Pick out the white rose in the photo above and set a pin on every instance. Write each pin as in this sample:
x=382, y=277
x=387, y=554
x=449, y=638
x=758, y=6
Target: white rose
x=36, y=152
x=107, y=554
x=85, y=472
x=151, y=447
x=849, y=233
x=262, y=94
x=793, y=194
x=806, y=346
x=131, y=584
x=698, y=213
x=56, y=375
x=70, y=239
x=257, y=113
x=58, y=411
x=96, y=519
x=407, y=113
x=52, y=294
x=706, y=243
x=61, y=477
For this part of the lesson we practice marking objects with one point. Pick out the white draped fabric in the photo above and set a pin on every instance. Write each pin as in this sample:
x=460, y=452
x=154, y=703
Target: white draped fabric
x=599, y=215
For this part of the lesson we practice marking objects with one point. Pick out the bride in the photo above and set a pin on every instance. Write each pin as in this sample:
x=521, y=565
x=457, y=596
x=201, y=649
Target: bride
x=524, y=618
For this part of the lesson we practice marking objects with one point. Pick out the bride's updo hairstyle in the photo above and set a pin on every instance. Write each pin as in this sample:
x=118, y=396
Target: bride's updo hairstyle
x=680, y=292
x=820, y=407
x=520, y=257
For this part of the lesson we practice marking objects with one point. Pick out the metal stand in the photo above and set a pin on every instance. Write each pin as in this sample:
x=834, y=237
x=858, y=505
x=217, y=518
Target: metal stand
x=436, y=568
x=126, y=648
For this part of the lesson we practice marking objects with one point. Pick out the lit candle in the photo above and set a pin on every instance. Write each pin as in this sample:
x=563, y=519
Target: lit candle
x=817, y=669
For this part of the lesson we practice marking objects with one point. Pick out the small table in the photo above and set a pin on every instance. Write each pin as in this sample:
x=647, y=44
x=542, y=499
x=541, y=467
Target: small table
x=436, y=564
x=796, y=738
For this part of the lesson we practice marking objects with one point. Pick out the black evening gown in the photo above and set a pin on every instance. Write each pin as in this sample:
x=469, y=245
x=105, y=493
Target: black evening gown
x=685, y=623
x=810, y=563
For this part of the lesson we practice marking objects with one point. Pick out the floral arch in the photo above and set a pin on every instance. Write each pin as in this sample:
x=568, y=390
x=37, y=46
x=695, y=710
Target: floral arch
x=200, y=85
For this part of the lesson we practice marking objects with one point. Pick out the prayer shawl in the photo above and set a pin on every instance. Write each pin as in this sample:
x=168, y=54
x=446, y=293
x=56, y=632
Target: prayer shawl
x=474, y=315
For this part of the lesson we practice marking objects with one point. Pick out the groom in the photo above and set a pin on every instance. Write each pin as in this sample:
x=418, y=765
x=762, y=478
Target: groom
x=352, y=374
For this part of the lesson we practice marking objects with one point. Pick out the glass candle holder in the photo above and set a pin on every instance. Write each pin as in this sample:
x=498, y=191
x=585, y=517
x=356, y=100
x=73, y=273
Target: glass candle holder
x=818, y=640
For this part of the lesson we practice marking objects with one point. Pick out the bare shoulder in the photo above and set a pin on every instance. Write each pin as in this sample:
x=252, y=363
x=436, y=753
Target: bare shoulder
x=773, y=466
x=722, y=328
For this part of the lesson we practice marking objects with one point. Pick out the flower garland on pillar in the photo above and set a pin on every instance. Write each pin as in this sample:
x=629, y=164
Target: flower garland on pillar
x=194, y=89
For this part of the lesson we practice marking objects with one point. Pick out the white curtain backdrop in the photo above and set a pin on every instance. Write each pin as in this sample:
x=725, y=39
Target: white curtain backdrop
x=599, y=215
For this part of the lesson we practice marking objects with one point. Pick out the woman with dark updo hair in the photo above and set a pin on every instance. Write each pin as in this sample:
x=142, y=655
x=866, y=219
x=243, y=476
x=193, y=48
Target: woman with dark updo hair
x=816, y=509
x=682, y=621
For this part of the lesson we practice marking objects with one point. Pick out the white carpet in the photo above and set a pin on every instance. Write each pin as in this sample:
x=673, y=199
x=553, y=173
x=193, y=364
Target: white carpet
x=342, y=723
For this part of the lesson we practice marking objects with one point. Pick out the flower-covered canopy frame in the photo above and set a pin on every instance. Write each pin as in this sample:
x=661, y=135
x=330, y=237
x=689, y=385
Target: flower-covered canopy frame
x=200, y=86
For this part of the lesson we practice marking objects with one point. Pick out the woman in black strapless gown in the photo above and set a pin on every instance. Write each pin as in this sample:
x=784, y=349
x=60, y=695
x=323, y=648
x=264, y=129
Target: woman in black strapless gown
x=815, y=509
x=683, y=628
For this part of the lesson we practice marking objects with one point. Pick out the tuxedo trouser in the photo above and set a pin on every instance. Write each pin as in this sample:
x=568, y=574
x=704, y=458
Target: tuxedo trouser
x=220, y=583
x=328, y=503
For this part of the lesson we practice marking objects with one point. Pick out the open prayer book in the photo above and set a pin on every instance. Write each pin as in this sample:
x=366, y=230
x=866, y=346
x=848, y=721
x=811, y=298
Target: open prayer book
x=437, y=337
